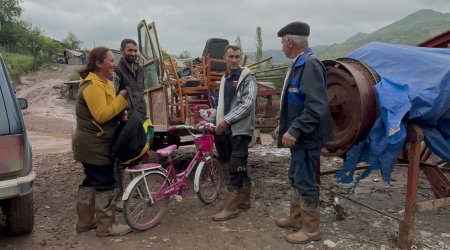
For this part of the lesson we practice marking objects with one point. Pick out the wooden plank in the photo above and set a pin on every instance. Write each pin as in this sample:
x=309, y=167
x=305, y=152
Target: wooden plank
x=427, y=205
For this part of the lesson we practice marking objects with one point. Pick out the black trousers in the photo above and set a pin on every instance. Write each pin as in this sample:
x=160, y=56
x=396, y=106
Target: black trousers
x=234, y=151
x=100, y=177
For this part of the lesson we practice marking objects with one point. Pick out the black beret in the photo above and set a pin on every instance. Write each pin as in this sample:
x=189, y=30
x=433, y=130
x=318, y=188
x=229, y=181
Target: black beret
x=295, y=28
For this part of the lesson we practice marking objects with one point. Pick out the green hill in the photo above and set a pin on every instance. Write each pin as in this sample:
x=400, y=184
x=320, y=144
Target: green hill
x=410, y=30
x=278, y=56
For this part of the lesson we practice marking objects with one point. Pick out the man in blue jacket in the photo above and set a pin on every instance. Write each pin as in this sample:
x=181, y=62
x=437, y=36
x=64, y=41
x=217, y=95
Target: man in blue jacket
x=235, y=121
x=305, y=125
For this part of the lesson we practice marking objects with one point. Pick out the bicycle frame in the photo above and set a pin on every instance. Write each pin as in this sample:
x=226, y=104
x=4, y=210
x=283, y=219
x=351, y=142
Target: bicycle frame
x=177, y=182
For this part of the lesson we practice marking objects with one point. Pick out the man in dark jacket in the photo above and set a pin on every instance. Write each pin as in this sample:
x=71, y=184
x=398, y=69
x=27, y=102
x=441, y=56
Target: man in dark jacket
x=305, y=125
x=129, y=73
x=235, y=120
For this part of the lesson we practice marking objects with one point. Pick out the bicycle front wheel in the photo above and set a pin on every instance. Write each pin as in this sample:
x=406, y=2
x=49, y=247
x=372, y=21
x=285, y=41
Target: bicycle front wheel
x=210, y=181
x=139, y=212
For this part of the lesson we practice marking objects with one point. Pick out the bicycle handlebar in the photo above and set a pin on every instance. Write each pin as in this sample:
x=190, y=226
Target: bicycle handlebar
x=202, y=128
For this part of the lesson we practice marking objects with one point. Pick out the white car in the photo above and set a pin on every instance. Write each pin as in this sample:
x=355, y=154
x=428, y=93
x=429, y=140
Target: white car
x=16, y=175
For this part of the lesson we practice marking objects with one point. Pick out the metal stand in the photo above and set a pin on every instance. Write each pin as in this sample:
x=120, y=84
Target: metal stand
x=439, y=183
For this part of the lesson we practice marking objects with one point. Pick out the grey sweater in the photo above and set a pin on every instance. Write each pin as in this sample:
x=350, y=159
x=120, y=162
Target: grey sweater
x=241, y=117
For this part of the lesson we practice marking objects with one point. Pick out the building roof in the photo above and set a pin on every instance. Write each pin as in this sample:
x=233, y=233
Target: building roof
x=440, y=41
x=75, y=53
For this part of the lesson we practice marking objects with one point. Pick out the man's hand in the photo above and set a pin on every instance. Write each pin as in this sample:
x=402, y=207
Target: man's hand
x=200, y=124
x=221, y=127
x=288, y=140
x=124, y=116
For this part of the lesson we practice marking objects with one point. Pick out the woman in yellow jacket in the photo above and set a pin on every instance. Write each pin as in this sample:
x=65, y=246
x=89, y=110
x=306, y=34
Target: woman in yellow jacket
x=98, y=110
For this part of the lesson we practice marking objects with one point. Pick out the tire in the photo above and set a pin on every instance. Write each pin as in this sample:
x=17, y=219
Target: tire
x=19, y=212
x=138, y=211
x=210, y=180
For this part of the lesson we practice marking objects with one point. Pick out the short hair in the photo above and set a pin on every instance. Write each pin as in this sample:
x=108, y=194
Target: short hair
x=233, y=47
x=300, y=41
x=127, y=41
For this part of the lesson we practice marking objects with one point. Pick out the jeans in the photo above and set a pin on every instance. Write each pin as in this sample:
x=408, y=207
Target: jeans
x=302, y=172
x=100, y=177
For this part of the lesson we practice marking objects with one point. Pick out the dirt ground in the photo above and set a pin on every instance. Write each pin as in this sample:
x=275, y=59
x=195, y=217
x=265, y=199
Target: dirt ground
x=187, y=224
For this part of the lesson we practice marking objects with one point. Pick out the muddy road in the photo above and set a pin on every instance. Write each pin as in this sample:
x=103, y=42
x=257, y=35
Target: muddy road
x=187, y=224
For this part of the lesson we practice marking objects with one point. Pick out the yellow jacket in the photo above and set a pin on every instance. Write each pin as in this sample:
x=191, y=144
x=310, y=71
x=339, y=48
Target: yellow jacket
x=97, y=107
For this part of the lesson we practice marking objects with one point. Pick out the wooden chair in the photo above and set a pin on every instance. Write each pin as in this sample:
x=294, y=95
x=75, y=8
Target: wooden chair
x=176, y=110
x=215, y=68
x=186, y=92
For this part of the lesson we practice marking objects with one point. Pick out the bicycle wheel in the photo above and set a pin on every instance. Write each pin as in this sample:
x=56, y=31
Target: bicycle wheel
x=210, y=181
x=138, y=211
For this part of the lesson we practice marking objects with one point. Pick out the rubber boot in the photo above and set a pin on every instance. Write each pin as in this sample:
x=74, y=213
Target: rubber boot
x=293, y=221
x=244, y=197
x=118, y=200
x=119, y=189
x=310, y=225
x=86, y=209
x=105, y=211
x=229, y=210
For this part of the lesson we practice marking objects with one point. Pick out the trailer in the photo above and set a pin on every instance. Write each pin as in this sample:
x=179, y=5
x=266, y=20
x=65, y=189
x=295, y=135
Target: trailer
x=173, y=98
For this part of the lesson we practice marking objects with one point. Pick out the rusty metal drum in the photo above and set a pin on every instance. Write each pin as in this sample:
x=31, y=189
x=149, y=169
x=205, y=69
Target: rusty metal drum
x=352, y=101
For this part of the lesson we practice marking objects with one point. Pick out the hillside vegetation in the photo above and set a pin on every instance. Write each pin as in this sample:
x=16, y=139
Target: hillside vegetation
x=410, y=30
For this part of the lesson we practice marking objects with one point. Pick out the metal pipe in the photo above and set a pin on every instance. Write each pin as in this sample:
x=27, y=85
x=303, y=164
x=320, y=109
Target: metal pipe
x=268, y=78
x=362, y=204
x=256, y=63
x=273, y=69
x=277, y=75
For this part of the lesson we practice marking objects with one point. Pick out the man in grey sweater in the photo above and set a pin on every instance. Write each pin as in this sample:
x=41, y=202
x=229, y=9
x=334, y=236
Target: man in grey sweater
x=235, y=121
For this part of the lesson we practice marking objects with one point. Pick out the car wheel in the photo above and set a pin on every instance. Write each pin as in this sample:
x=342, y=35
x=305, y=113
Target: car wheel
x=19, y=212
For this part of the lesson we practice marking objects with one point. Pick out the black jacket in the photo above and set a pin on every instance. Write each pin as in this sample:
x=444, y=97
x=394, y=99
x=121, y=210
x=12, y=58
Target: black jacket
x=305, y=112
x=135, y=82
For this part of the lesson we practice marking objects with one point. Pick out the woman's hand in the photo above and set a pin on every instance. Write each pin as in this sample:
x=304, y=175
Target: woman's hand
x=124, y=93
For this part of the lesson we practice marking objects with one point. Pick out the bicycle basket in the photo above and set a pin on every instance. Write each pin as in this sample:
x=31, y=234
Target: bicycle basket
x=206, y=143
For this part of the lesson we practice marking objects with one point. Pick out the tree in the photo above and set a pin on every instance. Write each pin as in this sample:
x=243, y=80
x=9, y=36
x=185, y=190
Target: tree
x=259, y=45
x=185, y=55
x=72, y=42
x=9, y=10
x=238, y=43
x=165, y=55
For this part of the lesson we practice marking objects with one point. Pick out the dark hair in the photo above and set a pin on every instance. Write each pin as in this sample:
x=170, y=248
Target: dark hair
x=233, y=47
x=127, y=41
x=98, y=54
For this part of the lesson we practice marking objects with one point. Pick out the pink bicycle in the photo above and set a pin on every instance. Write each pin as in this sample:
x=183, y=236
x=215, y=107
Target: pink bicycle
x=146, y=198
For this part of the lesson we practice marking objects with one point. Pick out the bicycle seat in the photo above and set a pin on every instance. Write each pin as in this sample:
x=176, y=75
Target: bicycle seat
x=143, y=167
x=167, y=150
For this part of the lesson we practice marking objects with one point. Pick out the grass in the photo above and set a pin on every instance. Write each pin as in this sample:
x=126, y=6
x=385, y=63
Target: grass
x=74, y=77
x=17, y=64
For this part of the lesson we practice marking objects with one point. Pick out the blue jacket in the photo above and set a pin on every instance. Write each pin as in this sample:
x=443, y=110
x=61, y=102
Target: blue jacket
x=304, y=111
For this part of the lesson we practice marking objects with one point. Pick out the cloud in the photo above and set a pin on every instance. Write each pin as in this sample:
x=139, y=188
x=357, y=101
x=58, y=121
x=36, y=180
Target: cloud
x=186, y=25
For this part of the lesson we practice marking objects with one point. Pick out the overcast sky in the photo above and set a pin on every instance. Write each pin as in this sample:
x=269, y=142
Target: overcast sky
x=187, y=24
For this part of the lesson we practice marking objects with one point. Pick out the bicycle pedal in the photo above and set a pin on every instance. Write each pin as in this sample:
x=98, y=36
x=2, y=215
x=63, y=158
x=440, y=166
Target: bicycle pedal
x=178, y=198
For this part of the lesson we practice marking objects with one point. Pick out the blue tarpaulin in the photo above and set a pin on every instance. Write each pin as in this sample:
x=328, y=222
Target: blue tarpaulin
x=414, y=86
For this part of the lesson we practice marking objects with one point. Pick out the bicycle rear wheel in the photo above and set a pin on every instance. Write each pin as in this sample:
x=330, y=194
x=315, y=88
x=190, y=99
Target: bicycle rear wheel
x=210, y=181
x=139, y=212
